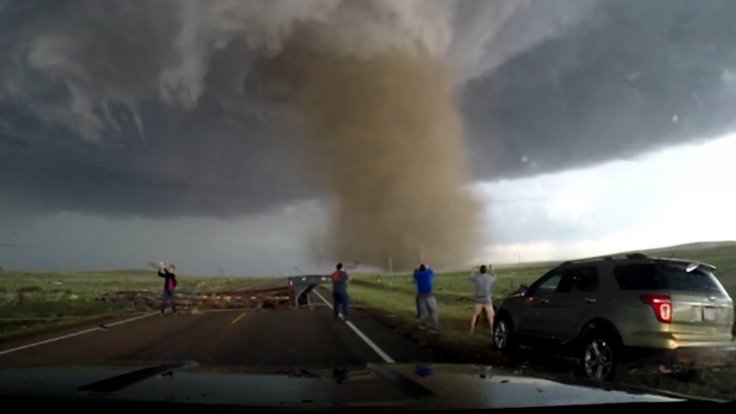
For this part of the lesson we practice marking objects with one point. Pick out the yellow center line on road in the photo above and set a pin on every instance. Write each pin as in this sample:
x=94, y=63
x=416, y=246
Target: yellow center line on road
x=237, y=319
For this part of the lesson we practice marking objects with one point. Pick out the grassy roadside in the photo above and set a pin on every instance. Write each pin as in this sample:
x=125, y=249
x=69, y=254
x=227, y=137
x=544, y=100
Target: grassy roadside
x=35, y=301
x=391, y=298
x=394, y=296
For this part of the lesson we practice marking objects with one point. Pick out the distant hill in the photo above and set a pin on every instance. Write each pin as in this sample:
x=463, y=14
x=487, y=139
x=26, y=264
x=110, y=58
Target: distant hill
x=690, y=249
x=702, y=251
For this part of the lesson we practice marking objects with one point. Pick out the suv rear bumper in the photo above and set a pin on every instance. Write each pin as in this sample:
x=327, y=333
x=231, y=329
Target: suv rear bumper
x=683, y=358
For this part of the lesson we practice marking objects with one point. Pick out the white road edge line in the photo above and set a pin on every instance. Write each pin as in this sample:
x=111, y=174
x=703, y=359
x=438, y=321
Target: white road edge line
x=71, y=335
x=145, y=315
x=361, y=335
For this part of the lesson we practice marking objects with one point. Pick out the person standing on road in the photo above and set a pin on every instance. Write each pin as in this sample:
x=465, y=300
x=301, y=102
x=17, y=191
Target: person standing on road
x=484, y=282
x=426, y=302
x=169, y=275
x=340, y=292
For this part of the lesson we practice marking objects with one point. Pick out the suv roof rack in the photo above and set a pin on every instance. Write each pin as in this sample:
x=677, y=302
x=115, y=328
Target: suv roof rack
x=635, y=255
x=685, y=261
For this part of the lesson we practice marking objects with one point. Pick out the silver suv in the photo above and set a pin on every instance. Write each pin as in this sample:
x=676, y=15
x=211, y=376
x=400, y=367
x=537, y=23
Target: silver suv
x=669, y=313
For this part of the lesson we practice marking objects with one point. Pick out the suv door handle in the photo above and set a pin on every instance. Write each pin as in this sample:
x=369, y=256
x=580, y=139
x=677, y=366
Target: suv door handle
x=544, y=301
x=590, y=300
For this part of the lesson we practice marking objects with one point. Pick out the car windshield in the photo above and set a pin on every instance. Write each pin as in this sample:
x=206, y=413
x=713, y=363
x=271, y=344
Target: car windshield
x=696, y=280
x=367, y=192
x=667, y=276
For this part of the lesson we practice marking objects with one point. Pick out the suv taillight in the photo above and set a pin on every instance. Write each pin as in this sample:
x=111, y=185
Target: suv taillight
x=662, y=306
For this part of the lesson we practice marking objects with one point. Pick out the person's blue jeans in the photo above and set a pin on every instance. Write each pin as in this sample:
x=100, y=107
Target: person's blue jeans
x=168, y=297
x=427, y=308
x=340, y=304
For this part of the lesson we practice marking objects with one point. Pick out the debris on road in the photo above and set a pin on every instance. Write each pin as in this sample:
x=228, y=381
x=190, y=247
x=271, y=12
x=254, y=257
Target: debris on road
x=258, y=298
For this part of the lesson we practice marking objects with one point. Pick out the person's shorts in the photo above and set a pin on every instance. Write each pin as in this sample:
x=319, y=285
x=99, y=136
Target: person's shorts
x=483, y=301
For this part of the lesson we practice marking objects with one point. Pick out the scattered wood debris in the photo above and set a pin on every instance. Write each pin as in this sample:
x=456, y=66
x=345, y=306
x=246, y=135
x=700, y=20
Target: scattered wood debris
x=259, y=298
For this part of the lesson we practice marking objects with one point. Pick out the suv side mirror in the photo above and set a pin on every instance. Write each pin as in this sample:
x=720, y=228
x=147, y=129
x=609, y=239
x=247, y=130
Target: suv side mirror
x=522, y=290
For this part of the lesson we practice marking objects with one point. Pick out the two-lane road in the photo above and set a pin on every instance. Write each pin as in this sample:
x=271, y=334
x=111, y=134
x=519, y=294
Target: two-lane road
x=304, y=338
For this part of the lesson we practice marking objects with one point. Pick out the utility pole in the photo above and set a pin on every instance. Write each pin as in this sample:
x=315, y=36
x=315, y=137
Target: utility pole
x=390, y=266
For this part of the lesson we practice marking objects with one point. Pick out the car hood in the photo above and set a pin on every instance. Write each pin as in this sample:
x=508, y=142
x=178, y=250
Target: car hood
x=400, y=386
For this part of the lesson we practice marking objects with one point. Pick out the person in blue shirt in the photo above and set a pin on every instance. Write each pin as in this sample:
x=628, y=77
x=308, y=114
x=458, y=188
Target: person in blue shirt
x=426, y=302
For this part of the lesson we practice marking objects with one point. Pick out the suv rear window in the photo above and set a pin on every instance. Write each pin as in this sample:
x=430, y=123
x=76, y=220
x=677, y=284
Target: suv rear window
x=666, y=276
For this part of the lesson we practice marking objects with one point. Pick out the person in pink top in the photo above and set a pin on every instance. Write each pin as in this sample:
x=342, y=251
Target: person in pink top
x=169, y=275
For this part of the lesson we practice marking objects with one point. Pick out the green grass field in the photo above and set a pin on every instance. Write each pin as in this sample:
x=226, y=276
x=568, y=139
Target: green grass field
x=393, y=296
x=30, y=301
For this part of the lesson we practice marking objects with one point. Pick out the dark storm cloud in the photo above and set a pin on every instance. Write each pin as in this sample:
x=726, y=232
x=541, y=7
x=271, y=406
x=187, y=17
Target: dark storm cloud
x=89, y=122
x=151, y=108
x=194, y=164
x=632, y=77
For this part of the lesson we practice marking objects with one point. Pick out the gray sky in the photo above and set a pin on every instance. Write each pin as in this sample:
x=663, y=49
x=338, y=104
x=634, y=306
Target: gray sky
x=676, y=195
x=132, y=132
x=260, y=244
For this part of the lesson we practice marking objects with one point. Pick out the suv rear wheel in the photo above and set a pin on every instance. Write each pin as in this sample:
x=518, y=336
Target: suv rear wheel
x=503, y=334
x=600, y=356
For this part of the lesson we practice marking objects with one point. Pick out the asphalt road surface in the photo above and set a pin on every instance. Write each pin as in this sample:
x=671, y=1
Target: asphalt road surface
x=303, y=338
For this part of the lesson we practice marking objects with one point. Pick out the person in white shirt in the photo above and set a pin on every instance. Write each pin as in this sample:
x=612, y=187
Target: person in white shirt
x=483, y=302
